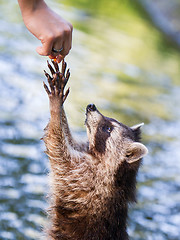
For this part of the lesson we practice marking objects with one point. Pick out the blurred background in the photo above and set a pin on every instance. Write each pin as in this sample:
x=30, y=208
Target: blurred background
x=126, y=60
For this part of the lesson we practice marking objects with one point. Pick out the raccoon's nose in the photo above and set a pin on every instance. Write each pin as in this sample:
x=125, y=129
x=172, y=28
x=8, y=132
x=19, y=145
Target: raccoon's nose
x=91, y=107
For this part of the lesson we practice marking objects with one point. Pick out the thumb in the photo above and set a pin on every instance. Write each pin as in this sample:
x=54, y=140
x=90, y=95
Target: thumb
x=40, y=51
x=45, y=49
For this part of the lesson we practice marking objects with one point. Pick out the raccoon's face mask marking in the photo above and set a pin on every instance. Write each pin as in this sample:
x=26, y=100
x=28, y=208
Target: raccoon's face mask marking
x=103, y=132
x=99, y=129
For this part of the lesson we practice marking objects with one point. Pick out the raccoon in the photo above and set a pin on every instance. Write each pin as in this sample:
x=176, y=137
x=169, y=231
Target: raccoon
x=91, y=183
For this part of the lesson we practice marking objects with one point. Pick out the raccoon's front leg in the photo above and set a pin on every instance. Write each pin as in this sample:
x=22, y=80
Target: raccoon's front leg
x=63, y=79
x=55, y=139
x=56, y=94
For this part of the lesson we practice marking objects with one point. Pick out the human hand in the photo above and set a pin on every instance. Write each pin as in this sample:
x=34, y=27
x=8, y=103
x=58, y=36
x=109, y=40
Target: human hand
x=51, y=29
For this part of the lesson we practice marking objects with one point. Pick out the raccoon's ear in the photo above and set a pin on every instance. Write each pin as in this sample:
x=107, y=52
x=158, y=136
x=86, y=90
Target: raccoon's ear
x=137, y=126
x=135, y=152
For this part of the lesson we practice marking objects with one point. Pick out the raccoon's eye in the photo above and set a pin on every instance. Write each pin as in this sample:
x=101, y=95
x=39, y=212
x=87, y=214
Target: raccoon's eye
x=106, y=129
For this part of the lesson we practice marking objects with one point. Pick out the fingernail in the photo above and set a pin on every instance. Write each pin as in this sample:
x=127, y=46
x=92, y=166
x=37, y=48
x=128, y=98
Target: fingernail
x=59, y=58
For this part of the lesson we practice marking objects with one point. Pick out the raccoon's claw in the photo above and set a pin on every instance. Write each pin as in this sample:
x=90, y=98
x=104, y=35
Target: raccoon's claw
x=50, y=81
x=55, y=66
x=50, y=68
x=66, y=94
x=57, y=81
x=64, y=65
x=46, y=88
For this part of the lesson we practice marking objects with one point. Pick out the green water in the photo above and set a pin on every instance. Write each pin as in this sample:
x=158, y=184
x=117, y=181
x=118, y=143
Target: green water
x=120, y=62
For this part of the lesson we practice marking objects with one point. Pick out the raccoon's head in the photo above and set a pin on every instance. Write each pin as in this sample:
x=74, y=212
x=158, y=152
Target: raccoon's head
x=109, y=137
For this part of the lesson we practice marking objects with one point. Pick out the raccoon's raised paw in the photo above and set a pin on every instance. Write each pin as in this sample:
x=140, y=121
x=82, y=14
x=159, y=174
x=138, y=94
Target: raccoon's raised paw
x=57, y=81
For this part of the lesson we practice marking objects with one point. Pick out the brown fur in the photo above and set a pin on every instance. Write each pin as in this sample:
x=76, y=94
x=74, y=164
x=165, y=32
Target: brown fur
x=91, y=183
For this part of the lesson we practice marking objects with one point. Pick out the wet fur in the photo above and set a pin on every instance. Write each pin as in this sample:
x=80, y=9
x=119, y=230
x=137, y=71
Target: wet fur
x=91, y=185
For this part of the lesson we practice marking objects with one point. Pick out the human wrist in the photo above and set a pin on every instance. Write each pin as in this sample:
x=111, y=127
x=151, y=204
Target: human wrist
x=28, y=7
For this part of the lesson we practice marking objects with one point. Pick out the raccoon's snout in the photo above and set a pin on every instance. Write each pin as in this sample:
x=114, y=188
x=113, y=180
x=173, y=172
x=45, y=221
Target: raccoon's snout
x=91, y=108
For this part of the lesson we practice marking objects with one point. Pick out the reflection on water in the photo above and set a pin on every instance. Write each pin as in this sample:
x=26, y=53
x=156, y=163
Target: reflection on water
x=121, y=63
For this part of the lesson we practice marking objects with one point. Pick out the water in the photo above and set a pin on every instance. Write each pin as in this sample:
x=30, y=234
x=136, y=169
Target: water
x=120, y=63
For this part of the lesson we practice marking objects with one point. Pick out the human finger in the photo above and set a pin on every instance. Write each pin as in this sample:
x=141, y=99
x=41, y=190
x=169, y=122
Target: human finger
x=57, y=50
x=67, y=40
x=57, y=46
x=56, y=54
x=59, y=58
x=68, y=43
x=46, y=47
